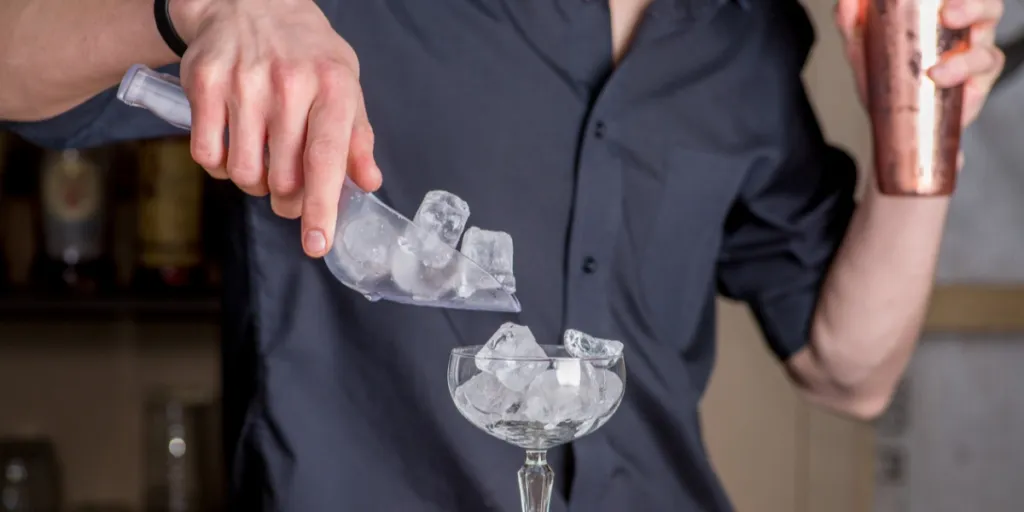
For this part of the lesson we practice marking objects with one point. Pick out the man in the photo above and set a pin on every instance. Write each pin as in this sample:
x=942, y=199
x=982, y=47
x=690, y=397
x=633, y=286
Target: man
x=641, y=156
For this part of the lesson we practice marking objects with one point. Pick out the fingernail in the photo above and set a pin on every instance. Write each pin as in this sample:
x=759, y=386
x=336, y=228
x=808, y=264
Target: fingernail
x=316, y=242
x=948, y=73
x=378, y=176
x=939, y=73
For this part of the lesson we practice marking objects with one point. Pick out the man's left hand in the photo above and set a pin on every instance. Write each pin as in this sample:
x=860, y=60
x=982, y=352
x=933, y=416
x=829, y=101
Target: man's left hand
x=976, y=68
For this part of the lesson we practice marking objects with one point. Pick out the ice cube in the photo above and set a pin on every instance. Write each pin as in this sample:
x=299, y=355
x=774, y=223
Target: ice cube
x=366, y=242
x=412, y=273
x=562, y=394
x=512, y=341
x=444, y=214
x=607, y=393
x=427, y=247
x=492, y=251
x=436, y=228
x=580, y=344
x=484, y=400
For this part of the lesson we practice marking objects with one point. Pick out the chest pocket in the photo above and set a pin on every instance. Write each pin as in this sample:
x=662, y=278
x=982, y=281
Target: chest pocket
x=678, y=262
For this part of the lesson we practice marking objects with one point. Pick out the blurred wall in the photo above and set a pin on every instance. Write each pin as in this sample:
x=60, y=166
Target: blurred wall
x=952, y=442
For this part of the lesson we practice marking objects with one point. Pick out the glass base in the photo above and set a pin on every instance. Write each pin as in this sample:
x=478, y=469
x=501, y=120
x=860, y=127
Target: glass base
x=536, y=480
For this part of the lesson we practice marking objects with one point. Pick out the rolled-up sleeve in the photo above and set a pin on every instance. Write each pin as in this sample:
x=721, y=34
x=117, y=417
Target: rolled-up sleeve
x=785, y=228
x=100, y=120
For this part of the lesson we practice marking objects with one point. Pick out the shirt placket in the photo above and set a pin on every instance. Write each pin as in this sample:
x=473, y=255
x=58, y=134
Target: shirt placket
x=594, y=226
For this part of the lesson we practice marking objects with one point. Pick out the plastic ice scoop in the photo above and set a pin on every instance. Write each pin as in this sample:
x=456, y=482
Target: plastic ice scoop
x=377, y=251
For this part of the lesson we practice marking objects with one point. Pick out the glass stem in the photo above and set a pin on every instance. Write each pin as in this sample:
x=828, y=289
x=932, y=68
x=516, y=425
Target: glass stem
x=536, y=479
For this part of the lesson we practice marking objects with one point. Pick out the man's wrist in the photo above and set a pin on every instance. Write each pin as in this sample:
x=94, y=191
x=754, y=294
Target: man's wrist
x=187, y=16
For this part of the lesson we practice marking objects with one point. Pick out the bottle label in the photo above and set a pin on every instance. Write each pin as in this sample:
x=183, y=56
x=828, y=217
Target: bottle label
x=72, y=197
x=170, y=207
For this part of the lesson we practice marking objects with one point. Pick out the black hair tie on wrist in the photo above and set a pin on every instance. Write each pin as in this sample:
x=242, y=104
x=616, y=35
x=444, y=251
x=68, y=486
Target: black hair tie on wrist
x=162, y=14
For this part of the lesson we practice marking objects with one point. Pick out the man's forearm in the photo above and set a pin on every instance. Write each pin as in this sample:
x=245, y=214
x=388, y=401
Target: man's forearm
x=873, y=304
x=56, y=54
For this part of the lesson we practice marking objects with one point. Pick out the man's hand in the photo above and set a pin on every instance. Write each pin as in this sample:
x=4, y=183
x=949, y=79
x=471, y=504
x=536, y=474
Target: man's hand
x=977, y=68
x=874, y=299
x=274, y=73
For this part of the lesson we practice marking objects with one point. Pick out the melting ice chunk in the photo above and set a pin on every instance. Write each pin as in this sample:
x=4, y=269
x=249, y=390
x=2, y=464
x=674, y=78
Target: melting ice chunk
x=492, y=251
x=512, y=341
x=422, y=277
x=444, y=214
x=565, y=393
x=367, y=241
x=582, y=345
x=484, y=400
x=606, y=394
x=422, y=263
x=438, y=224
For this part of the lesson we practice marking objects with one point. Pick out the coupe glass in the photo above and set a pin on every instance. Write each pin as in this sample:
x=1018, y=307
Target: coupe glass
x=557, y=398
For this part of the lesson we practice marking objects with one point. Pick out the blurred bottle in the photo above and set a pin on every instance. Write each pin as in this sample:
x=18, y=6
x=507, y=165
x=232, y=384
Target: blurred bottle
x=19, y=212
x=916, y=126
x=170, y=219
x=125, y=170
x=183, y=450
x=73, y=195
x=30, y=479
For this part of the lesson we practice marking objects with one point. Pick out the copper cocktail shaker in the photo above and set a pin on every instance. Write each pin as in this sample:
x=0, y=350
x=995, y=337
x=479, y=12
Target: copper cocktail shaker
x=916, y=125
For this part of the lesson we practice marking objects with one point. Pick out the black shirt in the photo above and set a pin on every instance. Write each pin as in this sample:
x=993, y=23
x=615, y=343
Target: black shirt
x=633, y=193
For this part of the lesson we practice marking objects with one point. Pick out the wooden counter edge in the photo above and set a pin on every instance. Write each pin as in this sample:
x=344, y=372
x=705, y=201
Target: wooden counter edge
x=976, y=309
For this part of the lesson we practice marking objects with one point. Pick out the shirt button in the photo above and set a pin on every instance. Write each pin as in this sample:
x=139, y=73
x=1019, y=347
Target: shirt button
x=589, y=265
x=599, y=129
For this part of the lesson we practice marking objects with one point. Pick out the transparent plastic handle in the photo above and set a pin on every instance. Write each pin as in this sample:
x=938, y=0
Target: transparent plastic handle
x=157, y=92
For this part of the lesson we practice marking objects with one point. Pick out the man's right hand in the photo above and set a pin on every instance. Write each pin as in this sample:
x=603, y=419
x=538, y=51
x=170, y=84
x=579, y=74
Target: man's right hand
x=274, y=73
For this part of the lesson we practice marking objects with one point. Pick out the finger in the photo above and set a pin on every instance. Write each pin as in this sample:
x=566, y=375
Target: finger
x=362, y=167
x=205, y=89
x=286, y=132
x=965, y=13
x=328, y=134
x=957, y=68
x=849, y=15
x=979, y=85
x=977, y=88
x=988, y=78
x=247, y=131
x=289, y=207
x=983, y=34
